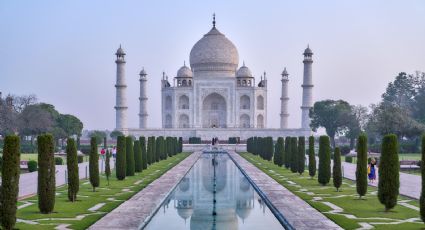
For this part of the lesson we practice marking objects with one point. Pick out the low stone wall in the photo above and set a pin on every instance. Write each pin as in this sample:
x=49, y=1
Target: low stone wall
x=221, y=133
x=200, y=147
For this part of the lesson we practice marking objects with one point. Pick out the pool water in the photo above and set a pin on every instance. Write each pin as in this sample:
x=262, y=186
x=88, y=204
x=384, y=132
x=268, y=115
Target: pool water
x=214, y=195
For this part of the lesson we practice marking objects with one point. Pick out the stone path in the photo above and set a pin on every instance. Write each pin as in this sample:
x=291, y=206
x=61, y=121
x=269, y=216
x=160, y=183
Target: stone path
x=28, y=181
x=292, y=207
x=137, y=211
x=410, y=185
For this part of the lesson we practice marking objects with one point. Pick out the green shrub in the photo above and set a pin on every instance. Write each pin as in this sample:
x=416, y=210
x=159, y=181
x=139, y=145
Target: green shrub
x=142, y=142
x=349, y=159
x=389, y=183
x=138, y=164
x=180, y=144
x=311, y=157
x=1, y=161
x=58, y=161
x=345, y=149
x=32, y=166
x=336, y=172
x=288, y=154
x=294, y=155
x=80, y=159
x=129, y=156
x=280, y=151
x=324, y=160
x=72, y=166
x=195, y=140
x=169, y=143
x=107, y=165
x=120, y=158
x=10, y=181
x=301, y=155
x=85, y=149
x=46, y=173
x=361, y=168
x=422, y=198
x=94, y=164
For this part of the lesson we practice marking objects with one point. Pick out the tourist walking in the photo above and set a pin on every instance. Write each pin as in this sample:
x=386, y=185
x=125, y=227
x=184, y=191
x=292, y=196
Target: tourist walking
x=371, y=170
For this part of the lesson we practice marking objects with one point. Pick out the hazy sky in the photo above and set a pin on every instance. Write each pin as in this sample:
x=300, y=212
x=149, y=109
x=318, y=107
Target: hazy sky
x=63, y=51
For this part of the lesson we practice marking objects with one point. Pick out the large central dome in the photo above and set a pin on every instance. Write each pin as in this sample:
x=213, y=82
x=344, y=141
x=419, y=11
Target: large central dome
x=214, y=52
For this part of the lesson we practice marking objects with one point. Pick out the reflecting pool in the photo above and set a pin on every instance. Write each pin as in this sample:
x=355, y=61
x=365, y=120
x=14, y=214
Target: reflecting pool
x=214, y=195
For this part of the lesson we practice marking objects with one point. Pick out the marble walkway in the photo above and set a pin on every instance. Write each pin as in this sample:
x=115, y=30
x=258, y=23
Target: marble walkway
x=131, y=214
x=410, y=185
x=28, y=181
x=296, y=211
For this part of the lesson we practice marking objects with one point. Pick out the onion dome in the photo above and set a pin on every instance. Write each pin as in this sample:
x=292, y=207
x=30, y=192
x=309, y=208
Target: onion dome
x=308, y=51
x=244, y=71
x=214, y=52
x=120, y=51
x=184, y=72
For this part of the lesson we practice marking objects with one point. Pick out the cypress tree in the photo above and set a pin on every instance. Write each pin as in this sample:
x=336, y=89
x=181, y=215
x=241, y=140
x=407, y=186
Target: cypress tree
x=155, y=157
x=129, y=156
x=142, y=142
x=422, y=198
x=336, y=172
x=138, y=164
x=72, y=166
x=105, y=144
x=287, y=157
x=94, y=164
x=46, y=173
x=107, y=165
x=10, y=173
x=180, y=144
x=280, y=151
x=169, y=144
x=324, y=160
x=276, y=155
x=121, y=158
x=301, y=155
x=149, y=151
x=389, y=166
x=361, y=169
x=294, y=155
x=270, y=148
x=311, y=157
x=159, y=148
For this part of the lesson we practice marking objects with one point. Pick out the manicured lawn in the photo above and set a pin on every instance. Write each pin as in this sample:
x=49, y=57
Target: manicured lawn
x=77, y=215
x=344, y=207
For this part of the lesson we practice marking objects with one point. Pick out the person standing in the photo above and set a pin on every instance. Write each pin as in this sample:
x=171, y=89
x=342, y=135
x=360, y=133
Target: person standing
x=371, y=170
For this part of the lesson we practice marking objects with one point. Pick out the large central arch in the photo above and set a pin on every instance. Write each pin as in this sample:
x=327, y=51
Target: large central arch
x=214, y=111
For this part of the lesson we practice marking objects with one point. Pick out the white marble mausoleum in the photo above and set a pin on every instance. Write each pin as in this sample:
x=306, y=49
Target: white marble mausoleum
x=213, y=96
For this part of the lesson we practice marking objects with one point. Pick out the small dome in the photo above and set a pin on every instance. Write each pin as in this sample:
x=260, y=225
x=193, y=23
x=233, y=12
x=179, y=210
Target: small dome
x=284, y=72
x=120, y=51
x=184, y=71
x=185, y=212
x=308, y=51
x=244, y=72
x=214, y=52
x=143, y=72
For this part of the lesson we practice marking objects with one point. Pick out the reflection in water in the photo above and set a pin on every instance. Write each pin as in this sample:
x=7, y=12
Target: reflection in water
x=237, y=205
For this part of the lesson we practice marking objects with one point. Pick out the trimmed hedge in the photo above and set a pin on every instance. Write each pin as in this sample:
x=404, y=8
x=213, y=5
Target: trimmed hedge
x=288, y=154
x=279, y=152
x=389, y=182
x=129, y=156
x=121, y=158
x=301, y=155
x=108, y=165
x=422, y=198
x=311, y=157
x=336, y=172
x=361, y=168
x=349, y=159
x=294, y=155
x=32, y=166
x=10, y=181
x=46, y=173
x=72, y=166
x=138, y=164
x=180, y=144
x=195, y=140
x=94, y=164
x=142, y=141
x=58, y=161
x=80, y=159
x=324, y=160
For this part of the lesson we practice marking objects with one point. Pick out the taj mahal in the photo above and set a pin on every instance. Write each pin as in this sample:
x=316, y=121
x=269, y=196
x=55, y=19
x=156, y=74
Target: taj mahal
x=213, y=96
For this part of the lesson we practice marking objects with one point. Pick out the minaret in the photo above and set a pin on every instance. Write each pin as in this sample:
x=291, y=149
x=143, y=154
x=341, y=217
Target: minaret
x=121, y=99
x=307, y=89
x=284, y=101
x=143, y=112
